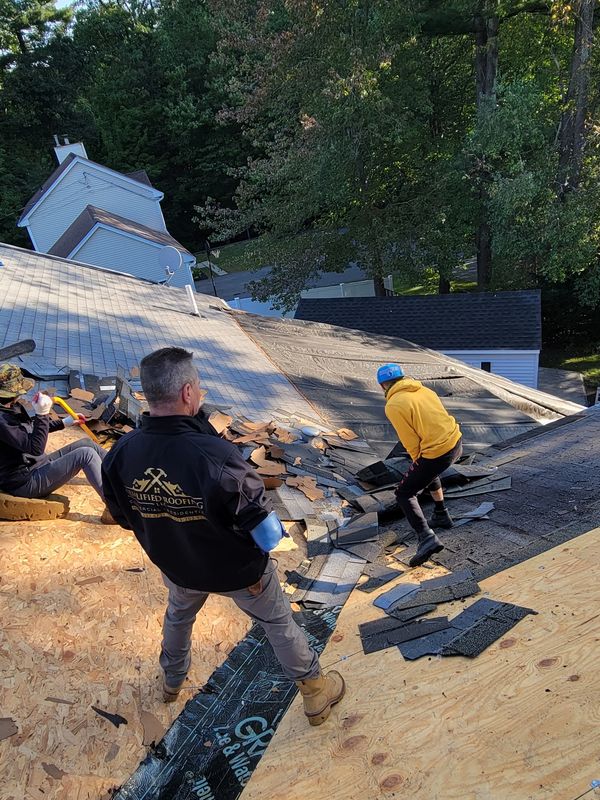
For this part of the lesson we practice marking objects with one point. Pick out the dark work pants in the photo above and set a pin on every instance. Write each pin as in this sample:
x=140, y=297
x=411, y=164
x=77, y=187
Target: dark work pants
x=63, y=465
x=268, y=606
x=423, y=474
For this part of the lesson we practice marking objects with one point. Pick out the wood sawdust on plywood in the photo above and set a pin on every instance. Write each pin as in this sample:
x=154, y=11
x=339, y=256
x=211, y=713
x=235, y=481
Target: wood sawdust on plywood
x=519, y=721
x=80, y=623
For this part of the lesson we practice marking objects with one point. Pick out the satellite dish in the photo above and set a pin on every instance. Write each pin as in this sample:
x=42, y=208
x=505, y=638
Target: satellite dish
x=170, y=258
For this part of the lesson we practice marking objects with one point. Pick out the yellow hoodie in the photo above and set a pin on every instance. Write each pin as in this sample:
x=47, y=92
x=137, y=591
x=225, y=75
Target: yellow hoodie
x=422, y=423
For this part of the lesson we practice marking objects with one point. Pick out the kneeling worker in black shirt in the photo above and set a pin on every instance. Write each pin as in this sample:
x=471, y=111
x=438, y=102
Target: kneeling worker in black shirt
x=200, y=513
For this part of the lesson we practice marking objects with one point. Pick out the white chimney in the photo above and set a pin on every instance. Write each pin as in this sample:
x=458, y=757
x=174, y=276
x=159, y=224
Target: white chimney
x=61, y=151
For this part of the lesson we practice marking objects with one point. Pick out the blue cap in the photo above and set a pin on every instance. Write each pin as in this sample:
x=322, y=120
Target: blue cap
x=389, y=372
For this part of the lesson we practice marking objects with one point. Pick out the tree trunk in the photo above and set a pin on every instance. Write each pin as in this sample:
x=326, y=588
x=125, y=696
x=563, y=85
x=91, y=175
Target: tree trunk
x=380, y=290
x=21, y=40
x=486, y=73
x=443, y=285
x=571, y=138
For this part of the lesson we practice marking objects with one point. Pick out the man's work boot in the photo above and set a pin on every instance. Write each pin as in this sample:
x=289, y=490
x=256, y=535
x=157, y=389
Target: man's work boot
x=171, y=693
x=428, y=545
x=320, y=694
x=107, y=518
x=441, y=519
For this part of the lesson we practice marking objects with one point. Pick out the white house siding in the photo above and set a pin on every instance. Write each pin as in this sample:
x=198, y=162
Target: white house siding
x=114, y=250
x=256, y=307
x=84, y=185
x=354, y=289
x=520, y=366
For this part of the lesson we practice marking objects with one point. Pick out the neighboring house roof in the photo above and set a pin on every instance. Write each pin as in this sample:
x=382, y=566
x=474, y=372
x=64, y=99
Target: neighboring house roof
x=139, y=177
x=335, y=370
x=91, y=216
x=93, y=319
x=235, y=284
x=457, y=321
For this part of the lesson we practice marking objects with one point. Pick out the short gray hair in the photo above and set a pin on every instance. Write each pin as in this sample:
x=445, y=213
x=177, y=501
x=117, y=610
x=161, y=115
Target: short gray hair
x=164, y=372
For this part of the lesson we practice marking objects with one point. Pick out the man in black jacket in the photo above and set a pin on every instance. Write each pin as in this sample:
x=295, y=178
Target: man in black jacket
x=25, y=469
x=200, y=513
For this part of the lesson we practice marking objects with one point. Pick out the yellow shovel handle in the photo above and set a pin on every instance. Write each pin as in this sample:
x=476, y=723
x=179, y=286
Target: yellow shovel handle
x=63, y=404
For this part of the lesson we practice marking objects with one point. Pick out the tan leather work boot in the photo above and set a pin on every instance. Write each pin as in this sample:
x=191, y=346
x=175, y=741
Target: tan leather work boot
x=107, y=518
x=320, y=694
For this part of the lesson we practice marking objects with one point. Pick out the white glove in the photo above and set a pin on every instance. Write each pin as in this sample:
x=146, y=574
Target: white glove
x=41, y=403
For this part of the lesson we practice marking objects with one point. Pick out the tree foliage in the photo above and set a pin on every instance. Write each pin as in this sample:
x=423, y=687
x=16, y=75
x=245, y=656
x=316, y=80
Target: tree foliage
x=403, y=137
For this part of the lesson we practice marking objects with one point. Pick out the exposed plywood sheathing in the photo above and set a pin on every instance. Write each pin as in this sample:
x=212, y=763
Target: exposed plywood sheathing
x=80, y=624
x=520, y=721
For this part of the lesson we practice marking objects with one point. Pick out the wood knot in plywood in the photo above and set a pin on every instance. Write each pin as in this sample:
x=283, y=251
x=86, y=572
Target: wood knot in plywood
x=391, y=782
x=352, y=720
x=354, y=742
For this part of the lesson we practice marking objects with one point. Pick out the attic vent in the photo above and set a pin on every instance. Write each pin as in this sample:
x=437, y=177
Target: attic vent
x=192, y=299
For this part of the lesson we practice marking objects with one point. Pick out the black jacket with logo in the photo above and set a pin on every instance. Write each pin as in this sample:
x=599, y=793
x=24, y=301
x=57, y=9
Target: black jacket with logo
x=191, y=500
x=22, y=444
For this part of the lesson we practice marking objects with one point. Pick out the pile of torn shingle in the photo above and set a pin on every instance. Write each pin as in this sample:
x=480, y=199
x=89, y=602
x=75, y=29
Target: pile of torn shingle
x=469, y=633
x=330, y=482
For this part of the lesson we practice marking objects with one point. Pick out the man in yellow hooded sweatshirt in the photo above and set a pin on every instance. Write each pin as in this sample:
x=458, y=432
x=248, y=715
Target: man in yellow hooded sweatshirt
x=433, y=440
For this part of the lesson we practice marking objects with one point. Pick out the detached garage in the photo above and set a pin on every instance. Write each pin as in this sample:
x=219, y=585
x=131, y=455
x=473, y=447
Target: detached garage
x=500, y=332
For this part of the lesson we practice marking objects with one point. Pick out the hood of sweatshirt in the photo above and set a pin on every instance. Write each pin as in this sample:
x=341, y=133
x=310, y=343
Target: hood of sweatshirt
x=404, y=385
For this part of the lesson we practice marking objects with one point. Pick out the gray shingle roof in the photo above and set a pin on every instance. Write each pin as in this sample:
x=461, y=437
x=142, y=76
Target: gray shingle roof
x=335, y=369
x=235, y=284
x=469, y=321
x=94, y=319
x=91, y=216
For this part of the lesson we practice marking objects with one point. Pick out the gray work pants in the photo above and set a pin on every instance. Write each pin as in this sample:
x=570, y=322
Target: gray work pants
x=269, y=607
x=62, y=465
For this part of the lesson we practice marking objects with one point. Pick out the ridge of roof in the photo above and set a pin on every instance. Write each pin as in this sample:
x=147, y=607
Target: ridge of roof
x=92, y=215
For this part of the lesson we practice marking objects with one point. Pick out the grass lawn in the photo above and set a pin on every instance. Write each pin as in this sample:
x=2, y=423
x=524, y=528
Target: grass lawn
x=232, y=257
x=579, y=359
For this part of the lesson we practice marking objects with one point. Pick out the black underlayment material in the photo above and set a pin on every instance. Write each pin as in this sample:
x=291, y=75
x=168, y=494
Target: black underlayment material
x=213, y=747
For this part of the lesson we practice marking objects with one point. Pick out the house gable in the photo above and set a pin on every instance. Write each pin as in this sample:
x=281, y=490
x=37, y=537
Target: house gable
x=78, y=183
x=125, y=251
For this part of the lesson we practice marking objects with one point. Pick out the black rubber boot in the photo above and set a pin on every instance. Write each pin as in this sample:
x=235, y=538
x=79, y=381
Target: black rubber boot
x=441, y=519
x=428, y=545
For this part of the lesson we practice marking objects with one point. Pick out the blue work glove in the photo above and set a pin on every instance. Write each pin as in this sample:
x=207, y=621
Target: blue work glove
x=269, y=532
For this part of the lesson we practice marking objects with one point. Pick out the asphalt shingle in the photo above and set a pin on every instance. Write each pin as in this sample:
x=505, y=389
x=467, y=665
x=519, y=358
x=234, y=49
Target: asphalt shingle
x=469, y=321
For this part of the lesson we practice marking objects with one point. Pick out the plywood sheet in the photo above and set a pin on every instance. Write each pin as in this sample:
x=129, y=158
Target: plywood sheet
x=520, y=721
x=80, y=625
